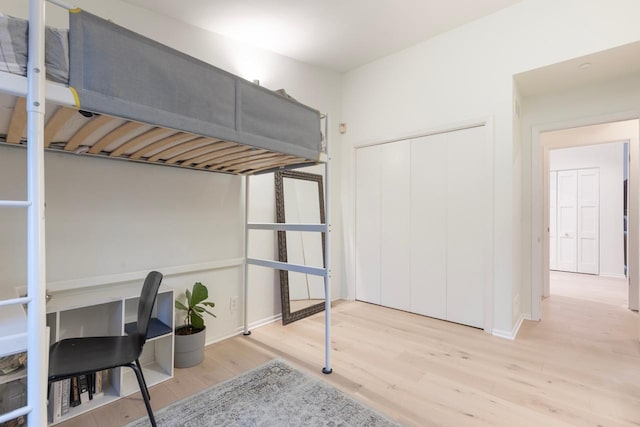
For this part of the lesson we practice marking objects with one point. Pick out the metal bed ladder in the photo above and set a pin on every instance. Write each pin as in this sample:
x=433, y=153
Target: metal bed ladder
x=36, y=336
x=321, y=228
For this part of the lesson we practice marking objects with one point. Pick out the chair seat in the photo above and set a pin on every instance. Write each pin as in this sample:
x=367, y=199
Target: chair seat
x=77, y=356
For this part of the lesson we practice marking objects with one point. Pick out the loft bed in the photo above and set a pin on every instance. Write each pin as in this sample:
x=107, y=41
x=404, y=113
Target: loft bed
x=163, y=108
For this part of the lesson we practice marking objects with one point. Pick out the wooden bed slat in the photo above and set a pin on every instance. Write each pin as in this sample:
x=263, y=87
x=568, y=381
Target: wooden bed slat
x=216, y=154
x=248, y=152
x=152, y=134
x=186, y=156
x=179, y=137
x=176, y=149
x=115, y=134
x=233, y=164
x=275, y=161
x=293, y=161
x=87, y=130
x=18, y=123
x=56, y=122
x=247, y=167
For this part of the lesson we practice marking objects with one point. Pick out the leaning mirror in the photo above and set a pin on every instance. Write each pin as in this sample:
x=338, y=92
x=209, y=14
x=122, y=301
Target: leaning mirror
x=300, y=199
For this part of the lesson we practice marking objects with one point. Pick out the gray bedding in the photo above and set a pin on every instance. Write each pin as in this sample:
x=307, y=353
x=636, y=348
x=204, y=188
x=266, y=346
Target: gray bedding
x=14, y=48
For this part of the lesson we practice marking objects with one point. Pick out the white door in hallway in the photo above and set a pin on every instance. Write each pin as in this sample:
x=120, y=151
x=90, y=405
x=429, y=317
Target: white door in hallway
x=567, y=220
x=588, y=220
x=574, y=229
x=553, y=220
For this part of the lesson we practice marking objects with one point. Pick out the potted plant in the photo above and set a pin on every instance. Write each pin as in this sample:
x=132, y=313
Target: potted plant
x=190, y=337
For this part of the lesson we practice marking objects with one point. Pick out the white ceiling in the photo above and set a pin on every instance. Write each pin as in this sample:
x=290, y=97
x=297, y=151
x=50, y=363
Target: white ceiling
x=587, y=70
x=336, y=34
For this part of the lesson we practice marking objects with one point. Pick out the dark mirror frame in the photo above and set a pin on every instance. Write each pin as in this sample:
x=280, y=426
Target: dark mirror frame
x=287, y=315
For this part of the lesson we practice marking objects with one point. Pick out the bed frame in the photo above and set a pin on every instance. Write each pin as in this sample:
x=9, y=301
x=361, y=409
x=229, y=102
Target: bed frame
x=232, y=126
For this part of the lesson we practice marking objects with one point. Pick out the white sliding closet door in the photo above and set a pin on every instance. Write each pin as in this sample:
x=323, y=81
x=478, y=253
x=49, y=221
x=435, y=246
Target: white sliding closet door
x=367, y=225
x=553, y=220
x=424, y=225
x=395, y=225
x=588, y=220
x=429, y=226
x=468, y=204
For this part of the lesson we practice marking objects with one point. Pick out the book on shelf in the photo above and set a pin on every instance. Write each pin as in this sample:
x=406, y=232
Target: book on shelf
x=75, y=393
x=99, y=378
x=83, y=385
x=66, y=396
x=55, y=402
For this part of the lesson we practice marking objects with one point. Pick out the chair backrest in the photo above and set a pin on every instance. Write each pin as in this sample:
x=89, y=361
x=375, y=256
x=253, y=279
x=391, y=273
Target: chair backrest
x=145, y=305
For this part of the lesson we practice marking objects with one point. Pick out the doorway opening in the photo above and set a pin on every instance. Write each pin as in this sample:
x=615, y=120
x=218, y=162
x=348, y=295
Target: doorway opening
x=587, y=220
x=586, y=211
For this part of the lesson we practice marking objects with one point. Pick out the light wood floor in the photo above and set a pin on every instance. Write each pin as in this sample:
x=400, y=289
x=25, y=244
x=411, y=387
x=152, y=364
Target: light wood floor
x=579, y=366
x=608, y=290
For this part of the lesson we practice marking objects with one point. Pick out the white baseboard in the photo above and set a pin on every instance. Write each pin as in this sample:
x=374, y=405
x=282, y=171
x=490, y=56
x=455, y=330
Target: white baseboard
x=253, y=325
x=615, y=276
x=510, y=335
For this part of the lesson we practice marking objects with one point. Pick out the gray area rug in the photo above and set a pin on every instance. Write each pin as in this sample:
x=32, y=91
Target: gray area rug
x=272, y=395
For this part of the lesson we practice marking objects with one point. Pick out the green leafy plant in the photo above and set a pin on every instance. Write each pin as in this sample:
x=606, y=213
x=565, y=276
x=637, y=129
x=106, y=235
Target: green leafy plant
x=194, y=308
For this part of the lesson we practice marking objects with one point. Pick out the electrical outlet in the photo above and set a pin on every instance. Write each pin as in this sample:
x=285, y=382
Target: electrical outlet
x=233, y=303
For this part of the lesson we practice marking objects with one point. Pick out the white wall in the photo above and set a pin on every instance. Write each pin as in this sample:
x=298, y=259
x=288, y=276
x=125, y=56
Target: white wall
x=609, y=159
x=467, y=73
x=110, y=218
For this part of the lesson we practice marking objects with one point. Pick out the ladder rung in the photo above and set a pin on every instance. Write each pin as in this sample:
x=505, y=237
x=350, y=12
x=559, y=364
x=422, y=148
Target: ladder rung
x=15, y=301
x=315, y=271
x=287, y=227
x=14, y=204
x=15, y=414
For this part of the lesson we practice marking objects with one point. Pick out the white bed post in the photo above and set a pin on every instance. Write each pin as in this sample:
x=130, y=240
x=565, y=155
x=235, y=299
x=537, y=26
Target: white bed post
x=327, y=254
x=245, y=277
x=38, y=360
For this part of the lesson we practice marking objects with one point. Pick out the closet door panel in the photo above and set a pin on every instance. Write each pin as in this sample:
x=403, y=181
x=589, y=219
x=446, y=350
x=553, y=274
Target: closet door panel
x=367, y=225
x=468, y=205
x=395, y=192
x=428, y=226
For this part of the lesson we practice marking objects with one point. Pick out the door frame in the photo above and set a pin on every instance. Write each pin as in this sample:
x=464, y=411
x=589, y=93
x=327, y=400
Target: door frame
x=540, y=205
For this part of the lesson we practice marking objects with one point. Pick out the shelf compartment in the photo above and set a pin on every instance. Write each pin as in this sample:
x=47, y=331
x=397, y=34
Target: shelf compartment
x=157, y=328
x=109, y=395
x=153, y=374
x=13, y=376
x=91, y=321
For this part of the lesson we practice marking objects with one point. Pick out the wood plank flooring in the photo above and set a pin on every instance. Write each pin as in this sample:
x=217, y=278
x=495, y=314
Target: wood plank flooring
x=579, y=366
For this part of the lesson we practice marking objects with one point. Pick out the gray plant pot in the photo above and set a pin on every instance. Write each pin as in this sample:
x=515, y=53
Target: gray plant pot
x=189, y=349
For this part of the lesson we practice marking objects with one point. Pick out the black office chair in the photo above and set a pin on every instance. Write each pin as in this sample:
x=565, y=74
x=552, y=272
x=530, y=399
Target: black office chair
x=81, y=356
